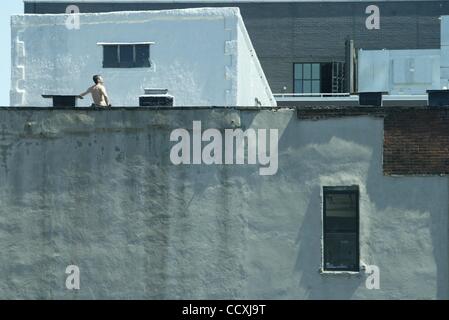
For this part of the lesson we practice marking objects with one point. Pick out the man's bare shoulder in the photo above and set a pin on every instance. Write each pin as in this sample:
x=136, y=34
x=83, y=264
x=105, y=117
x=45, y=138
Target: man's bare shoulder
x=101, y=87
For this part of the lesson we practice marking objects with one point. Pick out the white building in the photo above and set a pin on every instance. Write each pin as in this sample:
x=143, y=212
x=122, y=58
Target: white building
x=204, y=57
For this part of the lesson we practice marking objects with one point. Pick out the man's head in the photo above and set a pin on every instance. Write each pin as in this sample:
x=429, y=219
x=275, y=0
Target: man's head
x=98, y=79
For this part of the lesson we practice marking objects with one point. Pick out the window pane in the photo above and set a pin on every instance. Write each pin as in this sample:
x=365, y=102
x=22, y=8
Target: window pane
x=341, y=212
x=307, y=71
x=341, y=229
x=342, y=205
x=316, y=71
x=316, y=86
x=126, y=56
x=298, y=71
x=298, y=86
x=341, y=251
x=307, y=86
x=142, y=55
x=110, y=56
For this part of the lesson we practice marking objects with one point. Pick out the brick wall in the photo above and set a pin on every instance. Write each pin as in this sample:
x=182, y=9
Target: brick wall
x=416, y=139
x=416, y=142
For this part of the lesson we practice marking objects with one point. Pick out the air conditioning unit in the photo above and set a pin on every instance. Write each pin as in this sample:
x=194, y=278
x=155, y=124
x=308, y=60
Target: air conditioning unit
x=156, y=98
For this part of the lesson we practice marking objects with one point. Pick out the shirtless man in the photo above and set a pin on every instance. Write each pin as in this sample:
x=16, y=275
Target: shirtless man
x=98, y=92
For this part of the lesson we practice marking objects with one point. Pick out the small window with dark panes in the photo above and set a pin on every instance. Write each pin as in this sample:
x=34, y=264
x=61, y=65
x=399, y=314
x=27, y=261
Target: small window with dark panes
x=341, y=229
x=126, y=55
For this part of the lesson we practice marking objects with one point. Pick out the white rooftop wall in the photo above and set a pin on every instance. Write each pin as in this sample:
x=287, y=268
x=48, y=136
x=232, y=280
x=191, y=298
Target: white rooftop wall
x=198, y=56
x=398, y=71
x=445, y=51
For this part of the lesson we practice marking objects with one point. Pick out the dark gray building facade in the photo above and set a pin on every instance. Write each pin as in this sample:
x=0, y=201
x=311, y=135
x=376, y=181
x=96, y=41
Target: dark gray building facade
x=303, y=45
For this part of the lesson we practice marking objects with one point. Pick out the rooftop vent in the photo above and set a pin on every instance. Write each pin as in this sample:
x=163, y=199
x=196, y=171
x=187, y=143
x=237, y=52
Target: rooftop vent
x=156, y=98
x=371, y=98
x=61, y=101
x=438, y=98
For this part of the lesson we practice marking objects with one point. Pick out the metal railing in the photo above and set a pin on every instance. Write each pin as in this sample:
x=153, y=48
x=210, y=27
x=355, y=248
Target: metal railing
x=308, y=95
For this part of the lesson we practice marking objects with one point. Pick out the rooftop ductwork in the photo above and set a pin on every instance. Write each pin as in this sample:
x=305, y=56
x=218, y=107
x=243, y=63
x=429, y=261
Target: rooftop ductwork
x=156, y=98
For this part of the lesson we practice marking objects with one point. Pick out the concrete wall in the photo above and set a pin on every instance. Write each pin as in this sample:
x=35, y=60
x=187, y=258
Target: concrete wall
x=195, y=57
x=295, y=31
x=97, y=189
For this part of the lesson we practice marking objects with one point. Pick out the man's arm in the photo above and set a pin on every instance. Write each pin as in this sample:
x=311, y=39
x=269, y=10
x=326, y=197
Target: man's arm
x=85, y=93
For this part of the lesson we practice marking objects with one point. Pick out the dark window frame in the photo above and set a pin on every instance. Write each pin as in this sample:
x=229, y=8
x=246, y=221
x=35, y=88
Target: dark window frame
x=326, y=84
x=311, y=79
x=118, y=63
x=341, y=190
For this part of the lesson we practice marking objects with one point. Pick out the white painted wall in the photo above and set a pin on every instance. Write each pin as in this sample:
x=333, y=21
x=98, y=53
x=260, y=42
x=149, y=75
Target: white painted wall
x=408, y=72
x=196, y=56
x=445, y=51
x=249, y=68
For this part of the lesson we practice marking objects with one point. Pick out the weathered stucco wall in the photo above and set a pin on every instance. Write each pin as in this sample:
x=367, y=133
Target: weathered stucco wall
x=97, y=189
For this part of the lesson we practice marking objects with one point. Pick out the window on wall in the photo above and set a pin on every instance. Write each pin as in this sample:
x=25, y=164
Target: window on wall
x=126, y=55
x=341, y=229
x=328, y=77
x=307, y=78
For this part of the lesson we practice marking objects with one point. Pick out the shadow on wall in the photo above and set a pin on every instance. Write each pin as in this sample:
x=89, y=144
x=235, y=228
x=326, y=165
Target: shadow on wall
x=306, y=156
x=413, y=206
x=103, y=194
x=200, y=248
x=404, y=224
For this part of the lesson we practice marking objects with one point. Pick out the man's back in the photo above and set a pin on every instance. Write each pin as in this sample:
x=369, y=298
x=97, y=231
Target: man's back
x=99, y=95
